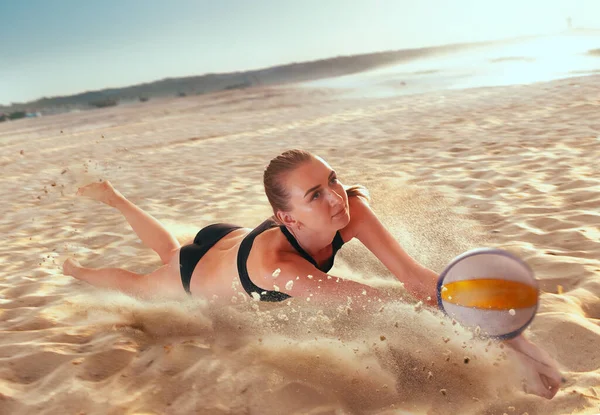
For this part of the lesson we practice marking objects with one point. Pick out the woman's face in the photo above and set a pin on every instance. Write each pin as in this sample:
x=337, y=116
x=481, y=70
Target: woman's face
x=318, y=200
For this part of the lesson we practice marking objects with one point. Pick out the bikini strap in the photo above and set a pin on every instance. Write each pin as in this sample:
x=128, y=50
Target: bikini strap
x=337, y=242
x=336, y=245
x=297, y=246
x=242, y=259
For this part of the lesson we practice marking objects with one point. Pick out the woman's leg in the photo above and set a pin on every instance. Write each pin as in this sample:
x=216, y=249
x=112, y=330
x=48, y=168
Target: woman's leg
x=152, y=233
x=165, y=281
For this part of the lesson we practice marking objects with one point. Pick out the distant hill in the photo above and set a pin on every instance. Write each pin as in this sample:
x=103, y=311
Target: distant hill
x=194, y=85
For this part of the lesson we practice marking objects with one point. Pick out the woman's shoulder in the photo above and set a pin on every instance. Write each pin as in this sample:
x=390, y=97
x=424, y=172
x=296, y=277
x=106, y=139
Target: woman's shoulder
x=270, y=247
x=271, y=258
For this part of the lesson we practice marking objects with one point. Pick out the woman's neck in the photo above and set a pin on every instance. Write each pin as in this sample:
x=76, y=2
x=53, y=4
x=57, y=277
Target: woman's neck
x=313, y=242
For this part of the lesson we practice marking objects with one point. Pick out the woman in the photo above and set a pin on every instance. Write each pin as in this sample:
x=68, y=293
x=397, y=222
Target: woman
x=286, y=256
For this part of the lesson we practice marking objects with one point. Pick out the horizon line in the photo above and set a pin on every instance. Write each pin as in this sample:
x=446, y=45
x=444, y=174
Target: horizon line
x=290, y=63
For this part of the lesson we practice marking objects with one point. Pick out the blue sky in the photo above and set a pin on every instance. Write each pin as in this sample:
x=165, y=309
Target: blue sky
x=61, y=47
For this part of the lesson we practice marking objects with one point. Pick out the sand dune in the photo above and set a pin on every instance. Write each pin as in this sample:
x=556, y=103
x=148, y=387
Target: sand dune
x=511, y=167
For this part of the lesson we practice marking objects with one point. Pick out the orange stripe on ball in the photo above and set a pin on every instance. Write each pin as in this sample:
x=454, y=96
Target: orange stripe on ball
x=490, y=294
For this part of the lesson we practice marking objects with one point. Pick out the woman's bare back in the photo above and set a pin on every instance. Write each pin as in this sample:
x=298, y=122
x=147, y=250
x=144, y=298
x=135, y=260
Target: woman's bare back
x=217, y=271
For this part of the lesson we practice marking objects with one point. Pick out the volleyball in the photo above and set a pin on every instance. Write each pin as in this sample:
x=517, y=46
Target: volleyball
x=491, y=289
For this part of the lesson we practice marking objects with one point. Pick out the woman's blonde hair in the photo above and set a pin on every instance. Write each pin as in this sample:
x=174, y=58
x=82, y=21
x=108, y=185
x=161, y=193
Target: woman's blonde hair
x=274, y=179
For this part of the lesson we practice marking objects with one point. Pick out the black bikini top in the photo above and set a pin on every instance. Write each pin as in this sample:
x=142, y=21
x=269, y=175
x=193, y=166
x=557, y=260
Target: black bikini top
x=244, y=252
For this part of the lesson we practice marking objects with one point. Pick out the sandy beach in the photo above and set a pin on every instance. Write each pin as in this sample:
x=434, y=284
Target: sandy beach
x=514, y=167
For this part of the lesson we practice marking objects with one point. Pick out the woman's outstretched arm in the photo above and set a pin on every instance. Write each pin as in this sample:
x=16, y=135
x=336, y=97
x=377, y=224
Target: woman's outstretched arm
x=542, y=375
x=418, y=280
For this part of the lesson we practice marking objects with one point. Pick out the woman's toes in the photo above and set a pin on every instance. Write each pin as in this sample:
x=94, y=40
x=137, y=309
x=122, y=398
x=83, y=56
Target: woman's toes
x=101, y=191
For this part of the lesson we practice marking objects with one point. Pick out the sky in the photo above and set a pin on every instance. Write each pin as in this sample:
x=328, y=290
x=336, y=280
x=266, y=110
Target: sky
x=62, y=47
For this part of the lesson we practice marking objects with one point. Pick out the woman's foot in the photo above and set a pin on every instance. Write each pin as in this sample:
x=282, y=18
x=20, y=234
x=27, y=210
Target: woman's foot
x=71, y=267
x=101, y=191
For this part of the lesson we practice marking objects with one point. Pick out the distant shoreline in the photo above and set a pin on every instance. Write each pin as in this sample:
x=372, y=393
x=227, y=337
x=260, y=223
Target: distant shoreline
x=291, y=73
x=213, y=82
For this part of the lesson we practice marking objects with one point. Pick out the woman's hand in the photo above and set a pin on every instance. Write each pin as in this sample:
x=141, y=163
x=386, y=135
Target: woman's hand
x=542, y=376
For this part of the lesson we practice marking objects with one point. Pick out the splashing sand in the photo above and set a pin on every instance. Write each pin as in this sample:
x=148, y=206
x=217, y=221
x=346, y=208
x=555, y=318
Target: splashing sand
x=497, y=168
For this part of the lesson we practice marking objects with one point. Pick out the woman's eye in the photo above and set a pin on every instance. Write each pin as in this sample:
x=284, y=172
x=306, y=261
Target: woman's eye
x=316, y=195
x=334, y=180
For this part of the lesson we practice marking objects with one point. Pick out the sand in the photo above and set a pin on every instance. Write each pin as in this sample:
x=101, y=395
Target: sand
x=510, y=167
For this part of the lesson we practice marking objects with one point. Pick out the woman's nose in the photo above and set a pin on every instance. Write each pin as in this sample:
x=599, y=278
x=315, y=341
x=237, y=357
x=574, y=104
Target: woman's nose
x=335, y=198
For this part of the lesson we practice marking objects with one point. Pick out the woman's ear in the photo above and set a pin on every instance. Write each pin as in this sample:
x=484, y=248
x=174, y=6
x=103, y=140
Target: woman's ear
x=285, y=218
